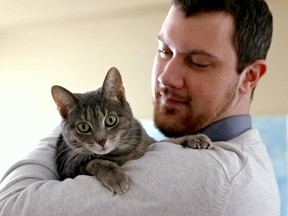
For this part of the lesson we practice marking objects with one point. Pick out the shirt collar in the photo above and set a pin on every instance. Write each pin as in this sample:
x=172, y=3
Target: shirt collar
x=228, y=128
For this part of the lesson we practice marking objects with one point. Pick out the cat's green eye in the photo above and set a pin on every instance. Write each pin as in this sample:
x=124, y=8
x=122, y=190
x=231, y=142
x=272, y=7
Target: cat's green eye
x=83, y=127
x=111, y=120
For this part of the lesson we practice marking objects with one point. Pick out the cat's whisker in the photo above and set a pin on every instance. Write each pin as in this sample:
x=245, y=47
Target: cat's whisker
x=71, y=158
x=61, y=154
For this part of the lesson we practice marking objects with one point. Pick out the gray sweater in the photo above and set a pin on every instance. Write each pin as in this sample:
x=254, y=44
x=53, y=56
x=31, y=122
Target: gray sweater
x=234, y=178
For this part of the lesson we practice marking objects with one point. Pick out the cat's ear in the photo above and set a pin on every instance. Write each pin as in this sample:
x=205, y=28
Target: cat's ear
x=64, y=99
x=113, y=86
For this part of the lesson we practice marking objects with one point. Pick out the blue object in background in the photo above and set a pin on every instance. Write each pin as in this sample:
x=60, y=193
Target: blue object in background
x=274, y=132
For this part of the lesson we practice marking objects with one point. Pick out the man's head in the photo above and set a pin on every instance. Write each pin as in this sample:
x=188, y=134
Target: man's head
x=252, y=25
x=210, y=58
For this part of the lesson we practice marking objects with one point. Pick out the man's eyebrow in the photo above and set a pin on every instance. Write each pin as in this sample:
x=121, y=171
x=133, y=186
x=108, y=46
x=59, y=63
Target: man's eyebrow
x=202, y=52
x=192, y=52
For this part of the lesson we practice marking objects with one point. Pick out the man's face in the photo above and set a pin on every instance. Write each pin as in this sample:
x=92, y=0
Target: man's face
x=194, y=76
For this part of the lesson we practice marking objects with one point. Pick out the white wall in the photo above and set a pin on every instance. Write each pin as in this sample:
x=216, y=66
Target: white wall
x=77, y=53
x=271, y=94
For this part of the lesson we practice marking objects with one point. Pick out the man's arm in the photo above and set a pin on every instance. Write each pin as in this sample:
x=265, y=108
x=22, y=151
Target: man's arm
x=165, y=180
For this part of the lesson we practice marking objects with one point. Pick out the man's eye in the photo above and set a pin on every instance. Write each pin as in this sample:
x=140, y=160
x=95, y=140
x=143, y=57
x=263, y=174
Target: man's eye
x=200, y=65
x=163, y=52
x=199, y=62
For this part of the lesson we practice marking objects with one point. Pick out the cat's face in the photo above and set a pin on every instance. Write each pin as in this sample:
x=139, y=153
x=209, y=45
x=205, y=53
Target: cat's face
x=96, y=130
x=98, y=121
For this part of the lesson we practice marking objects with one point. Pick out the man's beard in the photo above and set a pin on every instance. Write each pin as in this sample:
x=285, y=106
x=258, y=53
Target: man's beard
x=174, y=123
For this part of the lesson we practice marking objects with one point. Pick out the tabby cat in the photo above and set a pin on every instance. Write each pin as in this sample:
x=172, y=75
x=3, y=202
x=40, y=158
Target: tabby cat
x=99, y=133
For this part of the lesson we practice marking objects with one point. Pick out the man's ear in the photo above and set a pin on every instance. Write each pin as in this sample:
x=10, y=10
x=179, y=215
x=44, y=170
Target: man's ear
x=251, y=75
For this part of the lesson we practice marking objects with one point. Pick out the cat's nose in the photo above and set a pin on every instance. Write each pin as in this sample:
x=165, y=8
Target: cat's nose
x=101, y=142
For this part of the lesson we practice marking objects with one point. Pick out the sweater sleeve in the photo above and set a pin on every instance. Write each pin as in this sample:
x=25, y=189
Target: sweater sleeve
x=158, y=183
x=167, y=180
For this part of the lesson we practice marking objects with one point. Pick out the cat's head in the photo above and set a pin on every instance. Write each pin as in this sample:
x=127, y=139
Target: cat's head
x=96, y=121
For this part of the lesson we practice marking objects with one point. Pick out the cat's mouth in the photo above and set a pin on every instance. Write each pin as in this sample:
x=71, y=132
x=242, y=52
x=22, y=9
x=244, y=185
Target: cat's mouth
x=100, y=150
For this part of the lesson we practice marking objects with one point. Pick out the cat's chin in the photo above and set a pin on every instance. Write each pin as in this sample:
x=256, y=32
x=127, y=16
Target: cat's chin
x=102, y=152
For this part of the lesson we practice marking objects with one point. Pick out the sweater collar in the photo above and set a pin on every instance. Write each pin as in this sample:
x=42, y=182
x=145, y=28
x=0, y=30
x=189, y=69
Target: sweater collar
x=228, y=128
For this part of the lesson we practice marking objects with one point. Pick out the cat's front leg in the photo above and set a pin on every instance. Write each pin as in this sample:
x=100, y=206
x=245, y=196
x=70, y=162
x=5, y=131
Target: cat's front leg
x=109, y=173
x=198, y=141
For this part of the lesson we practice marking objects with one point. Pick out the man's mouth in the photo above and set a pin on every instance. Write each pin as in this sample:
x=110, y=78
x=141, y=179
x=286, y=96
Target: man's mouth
x=172, y=100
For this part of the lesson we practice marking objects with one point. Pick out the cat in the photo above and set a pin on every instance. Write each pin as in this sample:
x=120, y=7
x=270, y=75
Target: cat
x=99, y=133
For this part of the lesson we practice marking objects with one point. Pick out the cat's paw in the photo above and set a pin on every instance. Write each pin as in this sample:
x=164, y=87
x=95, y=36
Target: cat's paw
x=116, y=180
x=109, y=173
x=198, y=141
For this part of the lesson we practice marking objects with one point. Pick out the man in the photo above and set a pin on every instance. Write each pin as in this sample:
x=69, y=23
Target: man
x=211, y=56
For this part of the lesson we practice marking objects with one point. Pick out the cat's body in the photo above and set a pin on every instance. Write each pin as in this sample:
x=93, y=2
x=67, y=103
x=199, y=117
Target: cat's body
x=100, y=133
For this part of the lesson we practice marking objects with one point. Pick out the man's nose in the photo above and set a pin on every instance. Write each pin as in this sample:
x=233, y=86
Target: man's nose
x=172, y=74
